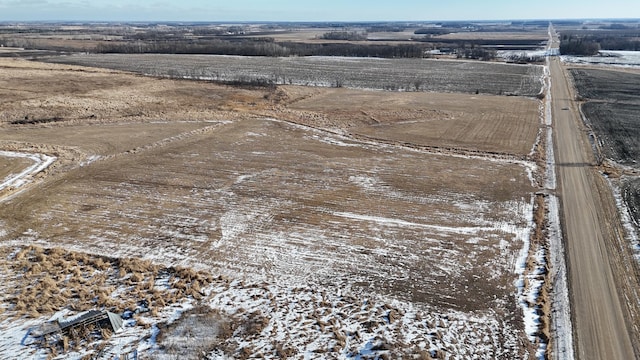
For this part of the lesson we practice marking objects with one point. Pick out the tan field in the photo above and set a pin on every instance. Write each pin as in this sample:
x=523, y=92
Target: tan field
x=312, y=220
x=455, y=121
x=10, y=166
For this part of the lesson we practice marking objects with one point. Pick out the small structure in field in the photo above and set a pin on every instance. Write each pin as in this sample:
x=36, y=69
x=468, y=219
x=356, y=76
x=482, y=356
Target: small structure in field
x=102, y=319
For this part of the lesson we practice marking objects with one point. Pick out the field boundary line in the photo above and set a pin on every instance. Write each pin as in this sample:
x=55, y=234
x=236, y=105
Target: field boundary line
x=526, y=160
x=167, y=141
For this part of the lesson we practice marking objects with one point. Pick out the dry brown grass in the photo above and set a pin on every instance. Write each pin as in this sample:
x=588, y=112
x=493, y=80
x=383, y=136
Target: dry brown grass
x=78, y=95
x=543, y=302
x=53, y=279
x=136, y=203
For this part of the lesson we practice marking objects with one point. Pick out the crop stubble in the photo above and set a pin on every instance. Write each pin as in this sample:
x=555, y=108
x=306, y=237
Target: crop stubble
x=611, y=109
x=232, y=195
x=368, y=73
x=290, y=204
x=455, y=121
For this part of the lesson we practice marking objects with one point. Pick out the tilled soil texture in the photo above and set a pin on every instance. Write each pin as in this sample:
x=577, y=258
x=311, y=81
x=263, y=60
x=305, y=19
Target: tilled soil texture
x=612, y=110
x=617, y=126
x=435, y=120
x=270, y=198
x=607, y=85
x=367, y=73
x=273, y=202
x=631, y=196
x=334, y=242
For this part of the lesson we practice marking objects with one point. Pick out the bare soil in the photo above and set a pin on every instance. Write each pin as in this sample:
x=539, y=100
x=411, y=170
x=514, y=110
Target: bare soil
x=454, y=121
x=607, y=85
x=11, y=166
x=617, y=128
x=230, y=193
x=367, y=73
x=346, y=201
x=611, y=109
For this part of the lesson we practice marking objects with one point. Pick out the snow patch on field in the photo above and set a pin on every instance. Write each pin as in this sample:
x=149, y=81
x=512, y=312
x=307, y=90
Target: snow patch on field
x=90, y=159
x=627, y=220
x=510, y=54
x=508, y=228
x=323, y=324
x=40, y=162
x=16, y=341
x=332, y=281
x=314, y=322
x=529, y=297
x=607, y=58
x=561, y=325
x=524, y=235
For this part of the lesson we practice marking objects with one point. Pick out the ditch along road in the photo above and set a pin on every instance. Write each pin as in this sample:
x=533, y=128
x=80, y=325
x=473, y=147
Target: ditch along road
x=600, y=283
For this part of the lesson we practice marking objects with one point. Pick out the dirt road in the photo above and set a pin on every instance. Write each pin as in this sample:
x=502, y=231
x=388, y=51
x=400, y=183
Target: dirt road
x=599, y=313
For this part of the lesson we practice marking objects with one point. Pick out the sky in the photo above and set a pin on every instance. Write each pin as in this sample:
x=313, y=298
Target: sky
x=317, y=10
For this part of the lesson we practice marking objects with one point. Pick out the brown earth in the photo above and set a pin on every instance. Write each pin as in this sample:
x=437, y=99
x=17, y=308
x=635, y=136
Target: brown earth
x=265, y=183
x=9, y=166
x=226, y=194
x=157, y=138
x=51, y=94
x=458, y=121
x=44, y=95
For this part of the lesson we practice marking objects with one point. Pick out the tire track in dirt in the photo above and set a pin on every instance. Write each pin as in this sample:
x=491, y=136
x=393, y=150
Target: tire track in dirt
x=434, y=150
x=169, y=140
x=51, y=159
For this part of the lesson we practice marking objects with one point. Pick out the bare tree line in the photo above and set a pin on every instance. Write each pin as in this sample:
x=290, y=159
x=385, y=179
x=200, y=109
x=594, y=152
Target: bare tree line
x=264, y=47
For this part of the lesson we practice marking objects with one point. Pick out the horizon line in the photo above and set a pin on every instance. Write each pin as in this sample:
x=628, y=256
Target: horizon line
x=315, y=21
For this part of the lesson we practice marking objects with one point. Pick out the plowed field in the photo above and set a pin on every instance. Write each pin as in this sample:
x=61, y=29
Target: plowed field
x=401, y=232
x=612, y=110
x=368, y=73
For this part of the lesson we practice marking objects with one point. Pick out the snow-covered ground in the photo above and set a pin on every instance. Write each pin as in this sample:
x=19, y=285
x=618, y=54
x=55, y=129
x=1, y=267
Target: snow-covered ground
x=523, y=54
x=561, y=324
x=627, y=221
x=608, y=58
x=310, y=322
